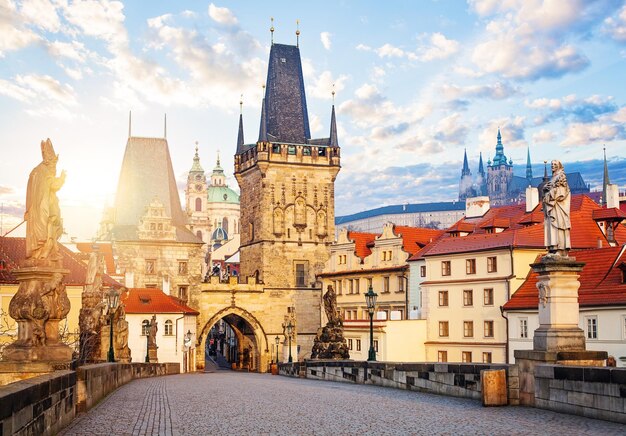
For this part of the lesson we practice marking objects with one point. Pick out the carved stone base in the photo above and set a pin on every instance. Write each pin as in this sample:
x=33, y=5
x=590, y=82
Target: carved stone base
x=152, y=354
x=47, y=353
x=559, y=339
x=330, y=343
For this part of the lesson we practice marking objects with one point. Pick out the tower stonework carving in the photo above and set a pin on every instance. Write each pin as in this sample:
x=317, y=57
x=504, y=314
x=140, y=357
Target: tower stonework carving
x=287, y=183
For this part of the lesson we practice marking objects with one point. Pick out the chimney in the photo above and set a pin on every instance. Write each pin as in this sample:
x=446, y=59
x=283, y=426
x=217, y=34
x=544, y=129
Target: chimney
x=599, y=245
x=612, y=196
x=532, y=198
x=476, y=206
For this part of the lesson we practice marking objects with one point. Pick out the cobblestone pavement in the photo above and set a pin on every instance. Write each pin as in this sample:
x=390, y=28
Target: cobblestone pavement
x=259, y=404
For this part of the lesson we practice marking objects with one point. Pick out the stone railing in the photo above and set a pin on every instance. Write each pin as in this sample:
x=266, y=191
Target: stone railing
x=45, y=404
x=595, y=392
x=454, y=379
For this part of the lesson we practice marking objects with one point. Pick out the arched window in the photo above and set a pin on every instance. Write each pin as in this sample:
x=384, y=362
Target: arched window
x=225, y=224
x=145, y=327
x=199, y=234
x=198, y=204
x=169, y=328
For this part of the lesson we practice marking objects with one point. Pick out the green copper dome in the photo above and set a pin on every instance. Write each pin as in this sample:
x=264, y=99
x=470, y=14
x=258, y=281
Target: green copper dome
x=222, y=194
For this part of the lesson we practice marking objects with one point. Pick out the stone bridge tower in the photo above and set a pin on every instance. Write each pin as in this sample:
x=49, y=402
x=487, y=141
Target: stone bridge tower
x=287, y=183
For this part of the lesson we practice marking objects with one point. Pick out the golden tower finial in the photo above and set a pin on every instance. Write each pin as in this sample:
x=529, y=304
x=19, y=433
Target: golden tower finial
x=333, y=93
x=272, y=29
x=196, y=147
x=241, y=104
x=297, y=33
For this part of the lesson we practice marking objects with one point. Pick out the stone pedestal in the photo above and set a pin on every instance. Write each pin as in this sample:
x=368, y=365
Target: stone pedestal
x=330, y=343
x=558, y=305
x=38, y=306
x=152, y=354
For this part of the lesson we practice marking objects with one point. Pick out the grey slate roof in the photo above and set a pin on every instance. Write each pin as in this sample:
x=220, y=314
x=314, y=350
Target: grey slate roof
x=147, y=173
x=574, y=180
x=402, y=208
x=287, y=120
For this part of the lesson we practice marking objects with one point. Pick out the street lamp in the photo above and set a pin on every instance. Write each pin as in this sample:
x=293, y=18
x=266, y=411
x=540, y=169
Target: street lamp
x=277, y=340
x=370, y=300
x=113, y=298
x=289, y=331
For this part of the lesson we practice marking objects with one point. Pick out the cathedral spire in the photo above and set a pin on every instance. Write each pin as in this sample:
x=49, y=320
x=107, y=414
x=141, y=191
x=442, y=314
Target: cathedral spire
x=263, y=125
x=481, y=168
x=605, y=180
x=196, y=167
x=465, y=171
x=240, y=141
x=529, y=166
x=500, y=158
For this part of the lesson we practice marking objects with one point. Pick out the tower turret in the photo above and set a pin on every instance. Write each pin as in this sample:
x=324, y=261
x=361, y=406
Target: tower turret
x=529, y=167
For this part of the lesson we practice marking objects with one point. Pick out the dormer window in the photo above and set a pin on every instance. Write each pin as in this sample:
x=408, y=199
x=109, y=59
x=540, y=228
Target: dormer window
x=622, y=267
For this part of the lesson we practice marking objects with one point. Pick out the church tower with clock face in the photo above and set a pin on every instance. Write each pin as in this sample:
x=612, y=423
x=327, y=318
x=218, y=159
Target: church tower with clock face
x=196, y=200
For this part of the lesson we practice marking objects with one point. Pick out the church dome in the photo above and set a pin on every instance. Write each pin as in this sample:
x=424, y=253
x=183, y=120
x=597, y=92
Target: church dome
x=222, y=194
x=219, y=234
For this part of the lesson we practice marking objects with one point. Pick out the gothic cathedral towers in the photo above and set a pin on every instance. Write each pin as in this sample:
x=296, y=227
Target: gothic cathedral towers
x=499, y=175
x=287, y=183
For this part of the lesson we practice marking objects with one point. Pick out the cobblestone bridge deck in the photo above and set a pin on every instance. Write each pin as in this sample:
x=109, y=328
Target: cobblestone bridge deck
x=242, y=403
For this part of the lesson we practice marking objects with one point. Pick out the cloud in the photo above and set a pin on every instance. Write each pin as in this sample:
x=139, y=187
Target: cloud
x=325, y=38
x=390, y=51
x=321, y=85
x=497, y=91
x=41, y=13
x=512, y=130
x=451, y=130
x=543, y=136
x=571, y=108
x=440, y=48
x=578, y=134
x=363, y=47
x=532, y=39
x=6, y=190
x=222, y=15
x=15, y=35
x=616, y=26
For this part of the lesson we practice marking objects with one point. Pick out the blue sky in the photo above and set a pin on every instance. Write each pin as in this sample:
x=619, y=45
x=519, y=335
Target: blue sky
x=416, y=84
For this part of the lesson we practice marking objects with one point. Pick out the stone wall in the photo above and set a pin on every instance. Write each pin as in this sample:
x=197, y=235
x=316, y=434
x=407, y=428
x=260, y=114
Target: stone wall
x=38, y=406
x=45, y=404
x=454, y=379
x=598, y=392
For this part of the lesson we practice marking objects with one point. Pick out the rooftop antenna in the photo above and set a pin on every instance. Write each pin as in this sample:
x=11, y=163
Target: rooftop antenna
x=297, y=33
x=333, y=93
x=272, y=29
x=129, y=121
x=241, y=104
x=165, y=127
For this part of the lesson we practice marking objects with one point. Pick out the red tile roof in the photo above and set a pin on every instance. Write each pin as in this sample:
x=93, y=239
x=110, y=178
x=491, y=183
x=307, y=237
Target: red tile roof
x=153, y=300
x=585, y=232
x=415, y=238
x=600, y=280
x=13, y=253
x=361, y=240
x=102, y=247
x=612, y=214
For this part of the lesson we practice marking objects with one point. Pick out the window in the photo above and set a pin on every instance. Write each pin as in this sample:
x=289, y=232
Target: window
x=350, y=286
x=445, y=268
x=369, y=282
x=182, y=292
x=488, y=297
x=169, y=328
x=150, y=266
x=592, y=327
x=291, y=149
x=225, y=221
x=376, y=346
x=468, y=297
x=423, y=271
x=386, y=285
x=342, y=259
x=492, y=264
x=145, y=327
x=624, y=327
x=468, y=329
x=356, y=285
x=198, y=204
x=443, y=298
x=182, y=267
x=199, y=234
x=349, y=344
x=466, y=356
x=339, y=287
x=358, y=345
x=486, y=357
x=488, y=329
x=400, y=283
x=300, y=274
x=386, y=255
x=443, y=329
x=276, y=148
x=523, y=328
x=470, y=266
x=442, y=356
x=306, y=151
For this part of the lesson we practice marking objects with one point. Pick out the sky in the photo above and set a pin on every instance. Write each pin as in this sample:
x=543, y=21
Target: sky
x=416, y=84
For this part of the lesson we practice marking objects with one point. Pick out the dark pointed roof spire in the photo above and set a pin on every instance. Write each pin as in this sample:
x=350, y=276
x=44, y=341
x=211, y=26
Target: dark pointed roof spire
x=500, y=158
x=605, y=179
x=334, y=142
x=481, y=168
x=240, y=142
x=466, y=170
x=499, y=137
x=263, y=125
x=529, y=166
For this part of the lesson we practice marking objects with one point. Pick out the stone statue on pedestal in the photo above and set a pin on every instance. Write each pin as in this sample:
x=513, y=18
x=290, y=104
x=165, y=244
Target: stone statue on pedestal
x=41, y=301
x=90, y=319
x=120, y=335
x=556, y=209
x=329, y=342
x=152, y=346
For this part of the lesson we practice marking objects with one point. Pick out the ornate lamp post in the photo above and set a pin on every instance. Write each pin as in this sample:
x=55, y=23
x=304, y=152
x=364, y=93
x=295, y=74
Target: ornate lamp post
x=277, y=340
x=370, y=300
x=113, y=298
x=289, y=331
